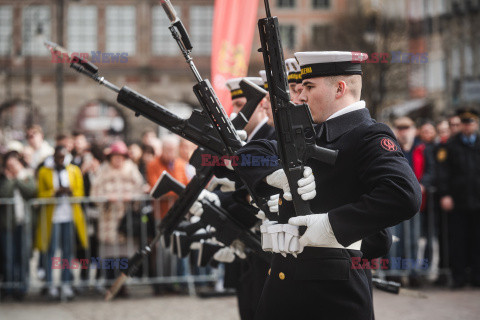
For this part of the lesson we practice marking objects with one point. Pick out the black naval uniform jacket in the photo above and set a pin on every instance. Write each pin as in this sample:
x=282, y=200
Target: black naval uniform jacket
x=370, y=187
x=459, y=172
x=247, y=276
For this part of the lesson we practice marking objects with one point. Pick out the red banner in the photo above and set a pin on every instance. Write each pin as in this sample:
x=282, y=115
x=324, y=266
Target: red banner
x=234, y=23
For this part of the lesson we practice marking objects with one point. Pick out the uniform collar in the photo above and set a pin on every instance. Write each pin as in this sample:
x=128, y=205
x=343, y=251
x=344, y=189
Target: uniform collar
x=257, y=128
x=339, y=125
x=353, y=107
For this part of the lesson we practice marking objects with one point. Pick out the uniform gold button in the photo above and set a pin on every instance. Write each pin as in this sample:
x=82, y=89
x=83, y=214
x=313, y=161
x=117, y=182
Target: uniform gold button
x=279, y=201
x=281, y=275
x=269, y=271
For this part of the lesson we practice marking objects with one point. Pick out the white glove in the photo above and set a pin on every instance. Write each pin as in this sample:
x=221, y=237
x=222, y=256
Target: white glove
x=225, y=184
x=210, y=196
x=261, y=215
x=319, y=231
x=228, y=162
x=306, y=189
x=278, y=179
x=196, y=209
x=239, y=249
x=225, y=255
x=194, y=219
x=233, y=115
x=242, y=134
x=307, y=185
x=273, y=203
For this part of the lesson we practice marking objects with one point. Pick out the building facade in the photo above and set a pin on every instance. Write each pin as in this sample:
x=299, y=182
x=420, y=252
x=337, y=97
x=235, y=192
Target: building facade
x=131, y=44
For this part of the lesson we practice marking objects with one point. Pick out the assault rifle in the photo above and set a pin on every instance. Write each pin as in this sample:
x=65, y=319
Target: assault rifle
x=293, y=123
x=206, y=95
x=227, y=228
x=196, y=129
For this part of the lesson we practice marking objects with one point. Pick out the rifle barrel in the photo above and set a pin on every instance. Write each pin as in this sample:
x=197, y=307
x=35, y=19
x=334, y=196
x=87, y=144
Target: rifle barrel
x=169, y=10
x=267, y=9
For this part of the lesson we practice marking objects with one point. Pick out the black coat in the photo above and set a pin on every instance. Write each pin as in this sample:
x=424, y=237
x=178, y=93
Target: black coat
x=247, y=276
x=459, y=172
x=370, y=188
x=265, y=132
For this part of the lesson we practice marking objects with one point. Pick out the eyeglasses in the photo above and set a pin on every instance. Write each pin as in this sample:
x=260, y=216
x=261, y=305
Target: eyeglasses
x=403, y=127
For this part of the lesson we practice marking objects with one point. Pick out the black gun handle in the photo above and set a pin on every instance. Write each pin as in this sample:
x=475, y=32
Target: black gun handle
x=164, y=185
x=254, y=95
x=325, y=155
x=191, y=228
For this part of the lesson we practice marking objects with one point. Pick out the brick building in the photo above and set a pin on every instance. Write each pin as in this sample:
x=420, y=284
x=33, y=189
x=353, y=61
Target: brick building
x=446, y=29
x=138, y=29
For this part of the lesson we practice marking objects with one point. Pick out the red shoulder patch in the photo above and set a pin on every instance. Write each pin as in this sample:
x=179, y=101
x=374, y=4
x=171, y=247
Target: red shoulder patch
x=388, y=144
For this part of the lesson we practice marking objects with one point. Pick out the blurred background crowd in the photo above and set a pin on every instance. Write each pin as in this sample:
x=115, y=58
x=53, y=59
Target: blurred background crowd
x=72, y=166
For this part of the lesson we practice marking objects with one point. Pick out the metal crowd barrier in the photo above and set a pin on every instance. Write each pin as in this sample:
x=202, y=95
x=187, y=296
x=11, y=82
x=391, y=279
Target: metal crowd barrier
x=422, y=238
x=20, y=260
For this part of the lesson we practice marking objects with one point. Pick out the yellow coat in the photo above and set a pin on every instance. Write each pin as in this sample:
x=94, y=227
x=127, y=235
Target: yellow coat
x=46, y=190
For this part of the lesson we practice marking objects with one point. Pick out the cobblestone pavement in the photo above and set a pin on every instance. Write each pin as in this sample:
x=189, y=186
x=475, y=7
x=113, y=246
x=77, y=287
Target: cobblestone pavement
x=440, y=304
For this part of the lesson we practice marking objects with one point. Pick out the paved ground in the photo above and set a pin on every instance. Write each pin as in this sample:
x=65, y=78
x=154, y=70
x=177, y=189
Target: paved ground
x=440, y=304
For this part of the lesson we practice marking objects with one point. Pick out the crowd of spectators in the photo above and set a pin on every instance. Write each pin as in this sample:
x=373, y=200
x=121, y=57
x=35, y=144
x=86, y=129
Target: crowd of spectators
x=444, y=158
x=74, y=167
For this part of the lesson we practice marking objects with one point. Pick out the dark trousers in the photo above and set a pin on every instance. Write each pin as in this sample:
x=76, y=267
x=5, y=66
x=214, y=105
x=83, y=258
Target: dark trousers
x=464, y=244
x=253, y=274
x=319, y=284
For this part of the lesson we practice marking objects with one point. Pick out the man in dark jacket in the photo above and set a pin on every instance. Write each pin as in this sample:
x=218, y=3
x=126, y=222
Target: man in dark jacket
x=459, y=188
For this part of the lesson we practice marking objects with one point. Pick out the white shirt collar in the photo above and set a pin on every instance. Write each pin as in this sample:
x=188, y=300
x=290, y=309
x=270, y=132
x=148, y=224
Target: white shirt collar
x=353, y=107
x=257, y=128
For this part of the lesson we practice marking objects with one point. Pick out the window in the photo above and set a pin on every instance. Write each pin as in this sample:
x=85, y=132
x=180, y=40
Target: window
x=82, y=28
x=201, y=21
x=5, y=30
x=455, y=62
x=120, y=33
x=321, y=36
x=468, y=60
x=417, y=76
x=285, y=3
x=436, y=75
x=287, y=33
x=36, y=24
x=321, y=4
x=162, y=40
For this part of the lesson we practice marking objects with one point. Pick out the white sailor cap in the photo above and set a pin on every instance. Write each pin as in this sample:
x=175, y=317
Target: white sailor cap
x=293, y=71
x=234, y=85
x=263, y=74
x=330, y=63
